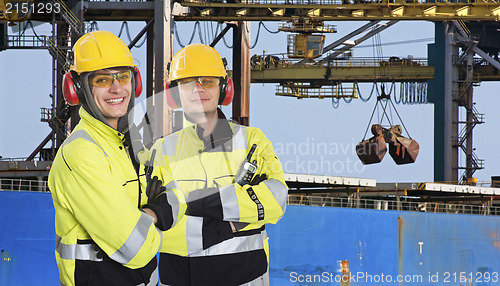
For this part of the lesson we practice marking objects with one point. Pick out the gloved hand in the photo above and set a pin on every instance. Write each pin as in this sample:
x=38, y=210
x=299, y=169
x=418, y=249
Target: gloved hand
x=158, y=203
x=204, y=202
x=154, y=189
x=99, y=252
x=258, y=179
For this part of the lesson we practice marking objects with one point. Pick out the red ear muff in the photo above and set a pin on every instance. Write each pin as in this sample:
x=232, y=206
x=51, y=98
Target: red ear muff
x=170, y=98
x=228, y=92
x=69, y=90
x=138, y=82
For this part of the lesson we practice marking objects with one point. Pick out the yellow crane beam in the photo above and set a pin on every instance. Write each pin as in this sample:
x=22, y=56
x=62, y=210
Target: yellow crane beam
x=285, y=10
x=486, y=73
x=357, y=70
x=335, y=10
x=359, y=74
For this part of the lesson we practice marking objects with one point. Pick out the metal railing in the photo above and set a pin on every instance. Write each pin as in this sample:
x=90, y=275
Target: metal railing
x=13, y=159
x=46, y=114
x=27, y=41
x=33, y=41
x=310, y=200
x=260, y=62
x=304, y=91
x=323, y=28
x=307, y=200
x=23, y=185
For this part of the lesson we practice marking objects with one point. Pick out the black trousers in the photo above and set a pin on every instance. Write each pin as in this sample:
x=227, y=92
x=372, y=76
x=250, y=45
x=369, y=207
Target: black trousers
x=109, y=272
x=217, y=270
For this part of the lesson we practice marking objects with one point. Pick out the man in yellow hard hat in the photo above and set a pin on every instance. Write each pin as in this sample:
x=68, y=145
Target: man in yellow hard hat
x=103, y=237
x=230, y=175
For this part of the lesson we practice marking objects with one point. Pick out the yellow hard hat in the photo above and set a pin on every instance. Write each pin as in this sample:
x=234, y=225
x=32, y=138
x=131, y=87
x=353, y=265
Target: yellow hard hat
x=196, y=60
x=100, y=50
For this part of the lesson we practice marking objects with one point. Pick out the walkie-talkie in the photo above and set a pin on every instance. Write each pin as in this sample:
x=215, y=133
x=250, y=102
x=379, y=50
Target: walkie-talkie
x=149, y=168
x=247, y=169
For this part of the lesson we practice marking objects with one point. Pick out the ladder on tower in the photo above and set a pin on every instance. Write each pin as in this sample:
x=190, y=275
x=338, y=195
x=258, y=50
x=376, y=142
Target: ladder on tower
x=56, y=52
x=74, y=22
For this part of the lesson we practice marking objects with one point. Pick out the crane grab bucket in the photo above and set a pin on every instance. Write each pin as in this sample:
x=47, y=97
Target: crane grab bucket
x=373, y=150
x=402, y=150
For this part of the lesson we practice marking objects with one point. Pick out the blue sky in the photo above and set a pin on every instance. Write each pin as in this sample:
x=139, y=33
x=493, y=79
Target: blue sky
x=309, y=135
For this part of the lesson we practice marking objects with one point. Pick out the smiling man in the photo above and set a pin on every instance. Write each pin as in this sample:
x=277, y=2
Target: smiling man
x=103, y=237
x=110, y=96
x=233, y=181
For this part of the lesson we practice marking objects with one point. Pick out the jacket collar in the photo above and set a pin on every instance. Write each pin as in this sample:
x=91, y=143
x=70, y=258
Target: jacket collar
x=221, y=134
x=100, y=127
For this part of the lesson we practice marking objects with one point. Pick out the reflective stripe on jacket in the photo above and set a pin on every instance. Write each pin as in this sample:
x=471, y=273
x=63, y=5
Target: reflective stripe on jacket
x=197, y=164
x=95, y=191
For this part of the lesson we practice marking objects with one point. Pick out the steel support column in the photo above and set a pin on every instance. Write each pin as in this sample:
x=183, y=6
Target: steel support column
x=241, y=73
x=148, y=136
x=441, y=91
x=451, y=105
x=160, y=114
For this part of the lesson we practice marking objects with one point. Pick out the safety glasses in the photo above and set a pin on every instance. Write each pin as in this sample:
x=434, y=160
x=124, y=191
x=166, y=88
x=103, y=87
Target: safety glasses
x=205, y=81
x=107, y=79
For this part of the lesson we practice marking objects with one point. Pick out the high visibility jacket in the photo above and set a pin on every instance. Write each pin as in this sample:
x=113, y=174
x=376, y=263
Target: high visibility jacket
x=202, y=249
x=102, y=237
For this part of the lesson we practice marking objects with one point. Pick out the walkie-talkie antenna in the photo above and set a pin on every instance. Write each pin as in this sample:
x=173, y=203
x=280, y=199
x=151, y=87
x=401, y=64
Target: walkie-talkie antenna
x=249, y=156
x=149, y=168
